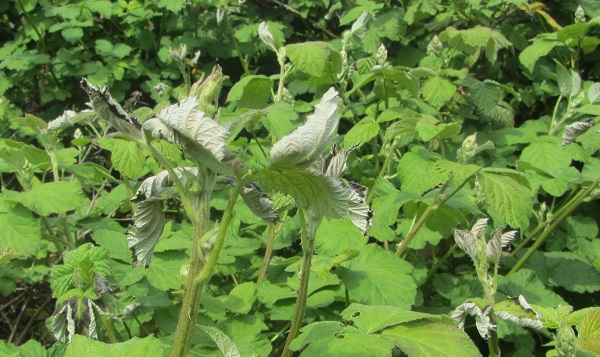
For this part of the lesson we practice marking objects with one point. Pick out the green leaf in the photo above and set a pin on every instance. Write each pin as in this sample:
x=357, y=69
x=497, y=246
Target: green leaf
x=546, y=157
x=171, y=5
x=252, y=92
x=225, y=344
x=508, y=198
x=589, y=332
x=127, y=156
x=565, y=85
x=241, y=298
x=337, y=236
x=52, y=197
x=323, y=194
x=309, y=57
x=31, y=348
x=565, y=269
x=416, y=172
x=525, y=282
x=246, y=331
x=437, y=90
x=20, y=231
x=328, y=338
x=372, y=319
x=308, y=142
x=361, y=133
x=114, y=242
x=72, y=35
x=539, y=48
x=164, y=275
x=136, y=347
x=280, y=119
x=377, y=277
x=432, y=338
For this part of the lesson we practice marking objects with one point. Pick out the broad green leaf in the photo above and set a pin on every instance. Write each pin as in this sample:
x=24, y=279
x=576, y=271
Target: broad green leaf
x=565, y=84
x=589, y=332
x=377, y=277
x=225, y=344
x=172, y=5
x=182, y=121
x=164, y=275
x=372, y=319
x=427, y=338
x=539, y=48
x=127, y=156
x=508, y=198
x=361, y=133
x=328, y=338
x=31, y=348
x=565, y=269
x=253, y=92
x=269, y=293
x=241, y=298
x=136, y=347
x=72, y=35
x=20, y=231
x=545, y=157
x=246, y=332
x=51, y=197
x=337, y=236
x=308, y=142
x=114, y=242
x=526, y=282
x=388, y=24
x=437, y=90
x=416, y=172
x=280, y=119
x=309, y=57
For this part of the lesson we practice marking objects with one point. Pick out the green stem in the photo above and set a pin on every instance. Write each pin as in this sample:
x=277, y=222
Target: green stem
x=280, y=86
x=236, y=45
x=553, y=123
x=307, y=253
x=383, y=169
x=577, y=200
x=268, y=252
x=493, y=343
x=200, y=272
x=441, y=261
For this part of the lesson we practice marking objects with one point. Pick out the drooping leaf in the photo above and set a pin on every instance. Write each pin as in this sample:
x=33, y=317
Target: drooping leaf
x=260, y=203
x=149, y=223
x=225, y=344
x=179, y=121
x=518, y=311
x=377, y=277
x=360, y=212
x=497, y=242
x=307, y=143
x=572, y=131
x=467, y=241
x=110, y=110
x=482, y=318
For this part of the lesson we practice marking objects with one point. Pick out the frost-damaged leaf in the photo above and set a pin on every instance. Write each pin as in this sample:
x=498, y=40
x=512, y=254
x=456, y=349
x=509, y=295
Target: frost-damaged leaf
x=184, y=120
x=149, y=224
x=576, y=129
x=108, y=109
x=266, y=36
x=62, y=122
x=518, y=311
x=306, y=144
x=482, y=318
x=225, y=344
x=466, y=241
x=259, y=203
x=360, y=212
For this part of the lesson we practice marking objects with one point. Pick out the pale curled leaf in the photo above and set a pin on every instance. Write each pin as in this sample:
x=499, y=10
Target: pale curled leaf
x=62, y=122
x=576, y=129
x=160, y=186
x=149, y=224
x=225, y=344
x=265, y=35
x=508, y=237
x=110, y=110
x=493, y=249
x=306, y=144
x=518, y=311
x=360, y=212
x=479, y=227
x=482, y=319
x=185, y=120
x=466, y=241
x=259, y=203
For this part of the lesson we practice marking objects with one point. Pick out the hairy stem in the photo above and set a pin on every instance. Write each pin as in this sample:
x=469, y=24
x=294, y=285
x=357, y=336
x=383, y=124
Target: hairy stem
x=307, y=253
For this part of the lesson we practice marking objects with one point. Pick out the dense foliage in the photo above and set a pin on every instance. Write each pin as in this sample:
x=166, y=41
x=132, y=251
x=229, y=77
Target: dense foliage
x=220, y=169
